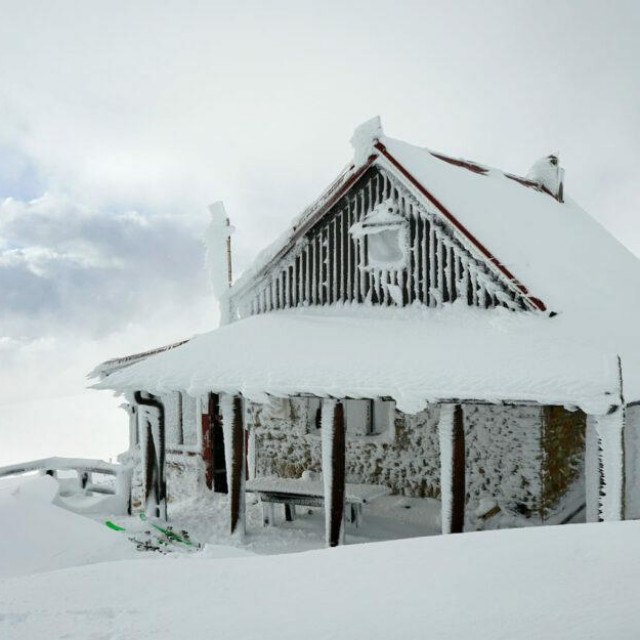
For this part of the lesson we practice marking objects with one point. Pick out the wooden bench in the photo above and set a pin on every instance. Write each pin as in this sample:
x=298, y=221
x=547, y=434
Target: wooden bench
x=309, y=493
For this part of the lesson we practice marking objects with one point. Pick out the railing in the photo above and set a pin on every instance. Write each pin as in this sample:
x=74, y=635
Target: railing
x=84, y=485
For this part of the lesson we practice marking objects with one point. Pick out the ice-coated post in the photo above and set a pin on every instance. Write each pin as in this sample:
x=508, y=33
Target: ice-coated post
x=233, y=426
x=593, y=475
x=333, y=470
x=452, y=468
x=610, y=429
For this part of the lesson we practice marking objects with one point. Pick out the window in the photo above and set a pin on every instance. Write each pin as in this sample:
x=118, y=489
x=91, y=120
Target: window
x=180, y=419
x=190, y=420
x=383, y=235
x=362, y=417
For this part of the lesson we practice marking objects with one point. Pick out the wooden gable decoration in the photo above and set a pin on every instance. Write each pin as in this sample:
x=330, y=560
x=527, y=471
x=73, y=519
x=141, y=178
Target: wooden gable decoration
x=378, y=237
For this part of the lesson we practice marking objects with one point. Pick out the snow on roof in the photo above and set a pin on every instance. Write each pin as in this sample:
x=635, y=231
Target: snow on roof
x=413, y=355
x=558, y=252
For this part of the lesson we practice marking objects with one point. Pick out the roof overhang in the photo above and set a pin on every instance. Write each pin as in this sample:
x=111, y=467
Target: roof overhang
x=414, y=356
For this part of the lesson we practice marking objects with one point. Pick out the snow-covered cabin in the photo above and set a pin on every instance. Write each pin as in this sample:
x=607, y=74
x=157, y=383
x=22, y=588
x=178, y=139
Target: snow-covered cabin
x=430, y=325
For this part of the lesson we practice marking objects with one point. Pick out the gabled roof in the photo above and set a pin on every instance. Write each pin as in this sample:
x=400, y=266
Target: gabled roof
x=556, y=252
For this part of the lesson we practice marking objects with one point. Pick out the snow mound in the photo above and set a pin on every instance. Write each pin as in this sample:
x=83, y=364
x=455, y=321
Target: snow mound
x=37, y=535
x=549, y=582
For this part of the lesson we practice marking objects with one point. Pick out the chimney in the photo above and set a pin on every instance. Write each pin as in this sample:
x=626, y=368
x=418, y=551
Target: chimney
x=549, y=175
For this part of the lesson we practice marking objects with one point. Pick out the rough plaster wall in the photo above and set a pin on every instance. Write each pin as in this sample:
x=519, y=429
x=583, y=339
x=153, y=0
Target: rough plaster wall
x=133, y=458
x=632, y=460
x=185, y=477
x=184, y=474
x=503, y=456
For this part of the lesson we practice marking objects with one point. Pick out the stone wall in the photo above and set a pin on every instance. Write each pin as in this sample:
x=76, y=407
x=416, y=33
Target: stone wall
x=503, y=457
x=502, y=445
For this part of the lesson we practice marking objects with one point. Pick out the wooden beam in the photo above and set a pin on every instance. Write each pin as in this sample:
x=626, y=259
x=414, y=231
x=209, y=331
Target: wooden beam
x=206, y=426
x=452, y=467
x=333, y=470
x=233, y=425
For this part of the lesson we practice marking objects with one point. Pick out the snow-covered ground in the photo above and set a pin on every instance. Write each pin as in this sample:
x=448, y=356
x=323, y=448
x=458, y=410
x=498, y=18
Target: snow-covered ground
x=570, y=582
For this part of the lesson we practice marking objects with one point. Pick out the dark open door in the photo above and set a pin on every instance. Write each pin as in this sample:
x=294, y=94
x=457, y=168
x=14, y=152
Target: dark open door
x=219, y=462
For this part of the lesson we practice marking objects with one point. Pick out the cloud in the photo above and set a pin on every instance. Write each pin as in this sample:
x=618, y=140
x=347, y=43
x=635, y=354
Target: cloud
x=67, y=268
x=121, y=121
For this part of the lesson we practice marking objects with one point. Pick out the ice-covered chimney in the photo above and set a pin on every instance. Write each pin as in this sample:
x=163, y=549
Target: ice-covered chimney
x=217, y=240
x=363, y=139
x=548, y=173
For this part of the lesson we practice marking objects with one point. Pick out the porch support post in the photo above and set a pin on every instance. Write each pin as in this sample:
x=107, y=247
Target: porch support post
x=208, y=406
x=593, y=473
x=610, y=429
x=154, y=456
x=452, y=468
x=333, y=470
x=233, y=426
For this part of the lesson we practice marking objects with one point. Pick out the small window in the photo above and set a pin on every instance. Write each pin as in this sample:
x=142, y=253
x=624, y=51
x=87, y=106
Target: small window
x=362, y=417
x=314, y=415
x=190, y=420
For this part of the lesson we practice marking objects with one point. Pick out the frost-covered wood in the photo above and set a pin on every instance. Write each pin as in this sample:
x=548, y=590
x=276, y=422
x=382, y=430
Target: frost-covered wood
x=592, y=470
x=333, y=470
x=232, y=423
x=153, y=448
x=335, y=262
x=452, y=468
x=610, y=429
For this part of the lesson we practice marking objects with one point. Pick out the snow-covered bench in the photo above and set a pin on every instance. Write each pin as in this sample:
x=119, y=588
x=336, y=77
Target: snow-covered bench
x=309, y=493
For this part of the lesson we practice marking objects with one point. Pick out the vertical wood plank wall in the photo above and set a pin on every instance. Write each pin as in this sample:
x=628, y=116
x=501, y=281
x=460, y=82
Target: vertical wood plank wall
x=329, y=266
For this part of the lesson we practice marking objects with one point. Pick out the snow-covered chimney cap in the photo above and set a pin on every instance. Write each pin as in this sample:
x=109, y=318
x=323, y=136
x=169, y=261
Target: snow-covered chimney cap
x=363, y=139
x=548, y=173
x=218, y=212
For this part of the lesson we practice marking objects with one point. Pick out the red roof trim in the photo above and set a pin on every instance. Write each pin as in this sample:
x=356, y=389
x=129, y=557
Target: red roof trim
x=458, y=225
x=465, y=164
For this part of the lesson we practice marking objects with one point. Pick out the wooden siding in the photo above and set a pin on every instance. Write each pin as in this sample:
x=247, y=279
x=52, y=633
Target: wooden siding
x=328, y=265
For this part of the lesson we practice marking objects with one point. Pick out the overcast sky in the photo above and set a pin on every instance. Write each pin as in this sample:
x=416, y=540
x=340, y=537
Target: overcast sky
x=121, y=121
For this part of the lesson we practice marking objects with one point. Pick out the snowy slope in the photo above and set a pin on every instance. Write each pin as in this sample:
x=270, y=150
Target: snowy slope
x=37, y=535
x=570, y=583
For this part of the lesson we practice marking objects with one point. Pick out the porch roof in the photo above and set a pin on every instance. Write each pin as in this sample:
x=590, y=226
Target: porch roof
x=412, y=355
